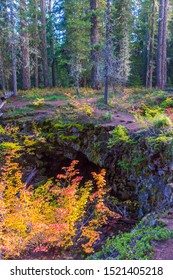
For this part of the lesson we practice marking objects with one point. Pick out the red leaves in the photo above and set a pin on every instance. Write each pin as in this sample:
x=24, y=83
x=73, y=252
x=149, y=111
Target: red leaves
x=75, y=218
x=40, y=248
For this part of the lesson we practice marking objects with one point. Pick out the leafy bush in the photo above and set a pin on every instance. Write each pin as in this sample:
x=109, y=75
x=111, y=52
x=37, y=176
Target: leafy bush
x=161, y=121
x=39, y=102
x=2, y=130
x=108, y=116
x=167, y=103
x=150, y=112
x=119, y=134
x=61, y=214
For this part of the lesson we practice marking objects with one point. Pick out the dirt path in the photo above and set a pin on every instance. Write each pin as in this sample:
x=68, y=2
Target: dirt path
x=117, y=117
x=163, y=249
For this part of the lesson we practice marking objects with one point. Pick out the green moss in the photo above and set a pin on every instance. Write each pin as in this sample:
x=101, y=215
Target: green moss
x=19, y=112
x=68, y=138
x=162, y=142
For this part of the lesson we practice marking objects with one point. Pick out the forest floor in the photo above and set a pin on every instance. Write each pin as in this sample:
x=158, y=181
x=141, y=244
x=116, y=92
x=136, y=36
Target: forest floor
x=123, y=109
x=117, y=117
x=163, y=249
x=58, y=254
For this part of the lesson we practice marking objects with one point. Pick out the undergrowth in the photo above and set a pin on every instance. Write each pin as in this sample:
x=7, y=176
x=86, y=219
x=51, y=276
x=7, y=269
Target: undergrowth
x=61, y=214
x=135, y=245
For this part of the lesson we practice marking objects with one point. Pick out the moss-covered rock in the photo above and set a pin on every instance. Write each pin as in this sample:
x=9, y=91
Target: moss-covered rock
x=139, y=166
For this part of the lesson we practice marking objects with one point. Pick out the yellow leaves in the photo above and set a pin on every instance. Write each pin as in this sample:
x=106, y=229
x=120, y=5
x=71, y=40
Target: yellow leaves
x=58, y=214
x=100, y=178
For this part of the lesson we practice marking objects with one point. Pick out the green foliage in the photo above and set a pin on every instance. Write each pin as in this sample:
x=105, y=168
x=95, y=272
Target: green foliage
x=161, y=121
x=100, y=104
x=150, y=112
x=126, y=165
x=2, y=130
x=119, y=135
x=14, y=112
x=135, y=245
x=131, y=162
x=162, y=142
x=167, y=103
x=108, y=116
x=10, y=146
x=39, y=102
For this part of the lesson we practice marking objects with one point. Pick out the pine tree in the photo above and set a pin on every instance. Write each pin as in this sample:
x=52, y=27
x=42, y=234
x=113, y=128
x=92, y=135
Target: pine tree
x=107, y=52
x=94, y=44
x=150, y=46
x=51, y=35
x=12, y=25
x=44, y=43
x=162, y=45
x=2, y=74
x=24, y=39
x=121, y=29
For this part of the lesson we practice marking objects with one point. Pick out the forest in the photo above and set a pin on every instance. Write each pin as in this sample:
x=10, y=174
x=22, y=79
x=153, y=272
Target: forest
x=86, y=129
x=84, y=43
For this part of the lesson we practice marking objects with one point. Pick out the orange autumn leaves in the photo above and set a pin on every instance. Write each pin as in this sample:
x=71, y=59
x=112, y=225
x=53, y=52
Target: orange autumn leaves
x=64, y=213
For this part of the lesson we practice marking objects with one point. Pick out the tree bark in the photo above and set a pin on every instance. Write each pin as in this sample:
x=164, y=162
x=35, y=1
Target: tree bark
x=13, y=53
x=159, y=45
x=94, y=37
x=150, y=60
x=36, y=40
x=25, y=55
x=162, y=45
x=52, y=47
x=2, y=73
x=107, y=52
x=44, y=43
x=164, y=56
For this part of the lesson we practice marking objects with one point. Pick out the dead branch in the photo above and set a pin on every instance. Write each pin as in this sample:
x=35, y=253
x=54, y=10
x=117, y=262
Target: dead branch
x=31, y=177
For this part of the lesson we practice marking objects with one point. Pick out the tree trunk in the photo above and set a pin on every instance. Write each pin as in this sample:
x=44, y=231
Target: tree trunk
x=44, y=43
x=107, y=51
x=13, y=53
x=162, y=46
x=25, y=55
x=36, y=39
x=52, y=48
x=164, y=56
x=150, y=63
x=36, y=68
x=94, y=45
x=2, y=73
x=159, y=45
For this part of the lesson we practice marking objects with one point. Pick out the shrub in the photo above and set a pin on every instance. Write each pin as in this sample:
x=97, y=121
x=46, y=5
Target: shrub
x=161, y=121
x=61, y=214
x=167, y=103
x=150, y=112
x=119, y=134
x=108, y=116
x=39, y=102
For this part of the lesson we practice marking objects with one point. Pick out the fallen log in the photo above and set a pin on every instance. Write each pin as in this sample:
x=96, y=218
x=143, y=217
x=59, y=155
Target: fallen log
x=8, y=94
x=31, y=177
x=3, y=100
